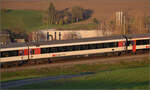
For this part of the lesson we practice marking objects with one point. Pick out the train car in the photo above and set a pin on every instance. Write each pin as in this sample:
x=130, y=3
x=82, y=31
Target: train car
x=14, y=52
x=18, y=52
x=79, y=47
x=138, y=43
x=62, y=48
x=76, y=47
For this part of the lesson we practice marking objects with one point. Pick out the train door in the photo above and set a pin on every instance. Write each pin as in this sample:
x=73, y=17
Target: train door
x=122, y=44
x=33, y=52
x=134, y=46
x=21, y=53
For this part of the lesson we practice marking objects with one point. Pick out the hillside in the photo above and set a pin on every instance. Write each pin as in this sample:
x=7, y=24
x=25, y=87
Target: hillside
x=103, y=9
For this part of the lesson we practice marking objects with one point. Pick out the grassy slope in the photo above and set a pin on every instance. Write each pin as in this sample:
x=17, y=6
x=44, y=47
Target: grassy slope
x=32, y=20
x=24, y=19
x=72, y=69
x=132, y=78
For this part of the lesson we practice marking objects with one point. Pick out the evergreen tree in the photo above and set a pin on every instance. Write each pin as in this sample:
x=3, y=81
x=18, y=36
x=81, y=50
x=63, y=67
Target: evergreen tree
x=51, y=14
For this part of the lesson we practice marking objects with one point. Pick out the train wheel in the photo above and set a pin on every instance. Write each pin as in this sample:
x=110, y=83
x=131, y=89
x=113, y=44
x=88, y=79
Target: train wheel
x=119, y=53
x=49, y=61
x=6, y=66
x=2, y=66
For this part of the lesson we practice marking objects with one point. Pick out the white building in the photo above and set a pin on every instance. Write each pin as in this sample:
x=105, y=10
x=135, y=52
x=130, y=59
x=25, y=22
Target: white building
x=53, y=34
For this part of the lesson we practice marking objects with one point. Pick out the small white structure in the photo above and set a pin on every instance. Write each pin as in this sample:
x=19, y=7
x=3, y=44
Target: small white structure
x=119, y=18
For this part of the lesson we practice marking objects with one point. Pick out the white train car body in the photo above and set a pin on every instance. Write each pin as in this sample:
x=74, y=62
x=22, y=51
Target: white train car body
x=65, y=48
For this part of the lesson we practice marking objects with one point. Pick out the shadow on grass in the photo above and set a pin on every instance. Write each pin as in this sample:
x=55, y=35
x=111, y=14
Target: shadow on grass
x=93, y=85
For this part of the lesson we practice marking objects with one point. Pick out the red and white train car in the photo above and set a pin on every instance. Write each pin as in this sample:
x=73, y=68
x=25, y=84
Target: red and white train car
x=77, y=47
x=139, y=42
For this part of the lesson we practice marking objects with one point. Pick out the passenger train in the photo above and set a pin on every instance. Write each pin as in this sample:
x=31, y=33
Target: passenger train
x=76, y=47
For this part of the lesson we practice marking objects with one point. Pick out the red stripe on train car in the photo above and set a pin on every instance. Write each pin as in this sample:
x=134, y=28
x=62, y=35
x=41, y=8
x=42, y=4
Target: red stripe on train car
x=37, y=51
x=25, y=51
x=134, y=46
x=147, y=46
x=54, y=55
x=120, y=44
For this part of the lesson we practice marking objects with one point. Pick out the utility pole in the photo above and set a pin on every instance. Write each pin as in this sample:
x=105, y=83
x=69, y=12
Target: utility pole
x=47, y=22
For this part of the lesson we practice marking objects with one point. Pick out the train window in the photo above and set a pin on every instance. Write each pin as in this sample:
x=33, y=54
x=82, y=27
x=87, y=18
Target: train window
x=73, y=48
x=116, y=44
x=100, y=45
x=138, y=42
x=110, y=45
x=145, y=41
x=13, y=53
x=65, y=49
x=45, y=50
x=61, y=49
x=77, y=47
x=105, y=45
x=92, y=46
x=54, y=49
x=89, y=46
x=142, y=42
x=83, y=47
x=130, y=43
x=9, y=53
x=4, y=54
x=21, y=52
x=70, y=48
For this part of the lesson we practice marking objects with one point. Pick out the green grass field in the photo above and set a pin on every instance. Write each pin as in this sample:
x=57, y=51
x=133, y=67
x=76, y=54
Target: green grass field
x=32, y=20
x=129, y=78
x=24, y=19
x=70, y=69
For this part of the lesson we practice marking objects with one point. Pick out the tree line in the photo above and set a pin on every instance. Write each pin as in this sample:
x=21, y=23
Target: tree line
x=66, y=16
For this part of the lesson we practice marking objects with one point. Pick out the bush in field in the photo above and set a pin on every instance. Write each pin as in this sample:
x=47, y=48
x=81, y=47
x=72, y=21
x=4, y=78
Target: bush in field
x=95, y=21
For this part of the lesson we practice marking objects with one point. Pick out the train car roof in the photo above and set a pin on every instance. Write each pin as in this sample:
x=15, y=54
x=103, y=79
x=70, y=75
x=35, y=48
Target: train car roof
x=12, y=45
x=81, y=40
x=138, y=35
